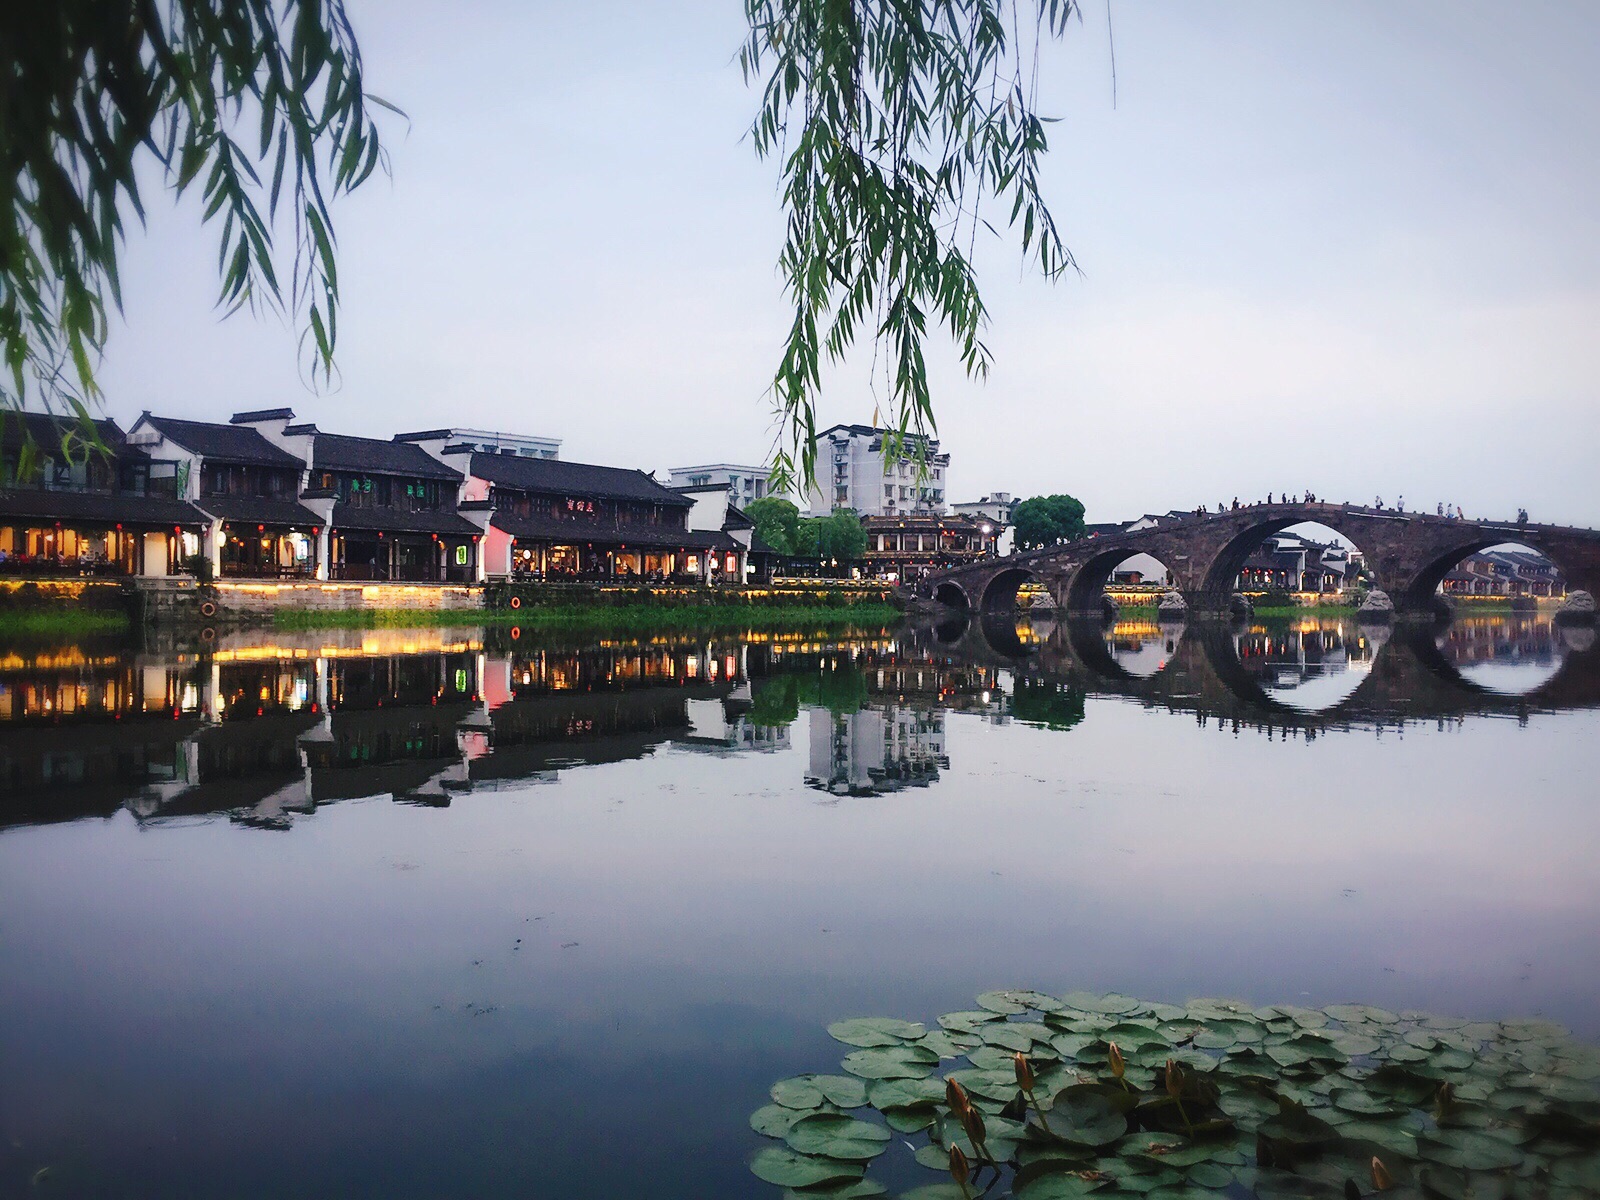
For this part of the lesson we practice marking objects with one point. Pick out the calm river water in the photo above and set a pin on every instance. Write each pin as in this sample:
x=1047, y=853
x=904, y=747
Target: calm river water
x=455, y=913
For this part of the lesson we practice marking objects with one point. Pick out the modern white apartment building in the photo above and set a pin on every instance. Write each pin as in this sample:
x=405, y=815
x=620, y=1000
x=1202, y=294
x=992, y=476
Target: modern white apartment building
x=744, y=483
x=520, y=444
x=853, y=472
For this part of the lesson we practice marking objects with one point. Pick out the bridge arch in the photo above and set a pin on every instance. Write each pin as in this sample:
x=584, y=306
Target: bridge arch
x=1226, y=565
x=1086, y=592
x=1426, y=583
x=952, y=595
x=1000, y=594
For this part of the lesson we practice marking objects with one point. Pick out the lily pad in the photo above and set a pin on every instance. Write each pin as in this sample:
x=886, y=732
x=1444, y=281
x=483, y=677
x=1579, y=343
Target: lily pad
x=836, y=1136
x=791, y=1170
x=799, y=1092
x=1001, y=1003
x=774, y=1120
x=1468, y=1150
x=904, y=1093
x=857, y=1189
x=968, y=1020
x=875, y=1031
x=898, y=1062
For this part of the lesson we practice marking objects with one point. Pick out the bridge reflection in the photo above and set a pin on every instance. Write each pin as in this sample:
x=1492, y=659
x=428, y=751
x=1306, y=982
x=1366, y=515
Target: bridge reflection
x=262, y=731
x=1309, y=673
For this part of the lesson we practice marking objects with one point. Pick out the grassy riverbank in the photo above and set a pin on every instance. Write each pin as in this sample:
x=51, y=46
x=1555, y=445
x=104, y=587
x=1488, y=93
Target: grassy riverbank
x=63, y=622
x=642, y=618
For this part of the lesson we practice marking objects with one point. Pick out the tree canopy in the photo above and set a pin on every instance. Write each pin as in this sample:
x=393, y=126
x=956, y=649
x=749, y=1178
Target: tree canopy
x=255, y=102
x=894, y=122
x=901, y=127
x=779, y=524
x=1047, y=521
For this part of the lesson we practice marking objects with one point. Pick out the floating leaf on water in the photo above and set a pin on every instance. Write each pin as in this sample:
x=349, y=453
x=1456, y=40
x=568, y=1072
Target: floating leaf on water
x=841, y=1090
x=947, y=1044
x=1353, y=1014
x=1001, y=1003
x=1209, y=1175
x=799, y=1092
x=1006, y=1035
x=836, y=1136
x=934, y=1191
x=858, y=1189
x=968, y=1020
x=899, y=1062
x=788, y=1169
x=875, y=1031
x=1060, y=1185
x=773, y=1120
x=1356, y=1045
x=904, y=1093
x=1468, y=1150
x=909, y=1120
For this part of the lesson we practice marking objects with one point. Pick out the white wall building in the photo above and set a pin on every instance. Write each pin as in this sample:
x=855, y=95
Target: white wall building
x=853, y=472
x=522, y=445
x=743, y=483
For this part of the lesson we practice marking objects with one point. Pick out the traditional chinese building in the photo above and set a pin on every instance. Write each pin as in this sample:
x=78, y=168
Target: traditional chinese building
x=907, y=547
x=547, y=518
x=71, y=508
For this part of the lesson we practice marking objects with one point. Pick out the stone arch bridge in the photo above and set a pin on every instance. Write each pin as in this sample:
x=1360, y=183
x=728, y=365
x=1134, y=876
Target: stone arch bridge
x=1407, y=555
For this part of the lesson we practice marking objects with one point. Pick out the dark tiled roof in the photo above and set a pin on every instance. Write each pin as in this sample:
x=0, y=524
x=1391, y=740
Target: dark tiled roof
x=101, y=507
x=553, y=476
x=258, y=509
x=553, y=529
x=223, y=443
x=338, y=452
x=389, y=520
x=735, y=519
x=262, y=414
x=47, y=429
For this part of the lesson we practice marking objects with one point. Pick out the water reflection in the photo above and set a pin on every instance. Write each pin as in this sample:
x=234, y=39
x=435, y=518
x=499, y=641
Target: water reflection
x=423, y=1001
x=267, y=729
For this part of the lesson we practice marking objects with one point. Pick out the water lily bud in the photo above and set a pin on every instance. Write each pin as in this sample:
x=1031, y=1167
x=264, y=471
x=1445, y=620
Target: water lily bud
x=1024, y=1073
x=1174, y=1078
x=959, y=1170
x=956, y=1097
x=1381, y=1179
x=972, y=1122
x=1118, y=1067
x=1446, y=1097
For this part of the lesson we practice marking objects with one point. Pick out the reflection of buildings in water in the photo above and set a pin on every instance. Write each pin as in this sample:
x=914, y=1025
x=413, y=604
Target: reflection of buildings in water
x=1286, y=658
x=1142, y=648
x=1512, y=655
x=877, y=749
x=262, y=736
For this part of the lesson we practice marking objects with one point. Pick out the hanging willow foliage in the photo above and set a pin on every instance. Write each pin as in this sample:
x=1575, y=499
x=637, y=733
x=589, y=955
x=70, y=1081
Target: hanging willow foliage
x=255, y=102
x=895, y=121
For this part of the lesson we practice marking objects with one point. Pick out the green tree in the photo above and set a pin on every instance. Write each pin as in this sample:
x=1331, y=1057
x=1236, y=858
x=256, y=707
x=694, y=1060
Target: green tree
x=255, y=102
x=1047, y=521
x=777, y=522
x=894, y=122
x=841, y=536
x=806, y=537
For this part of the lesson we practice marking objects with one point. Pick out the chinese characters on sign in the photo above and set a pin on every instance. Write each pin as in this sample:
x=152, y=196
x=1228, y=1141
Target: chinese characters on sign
x=580, y=506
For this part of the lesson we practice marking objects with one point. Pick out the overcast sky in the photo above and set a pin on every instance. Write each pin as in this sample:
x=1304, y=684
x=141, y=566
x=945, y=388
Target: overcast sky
x=1351, y=248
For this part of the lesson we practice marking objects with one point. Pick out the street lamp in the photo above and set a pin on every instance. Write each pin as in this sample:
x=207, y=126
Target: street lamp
x=987, y=530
